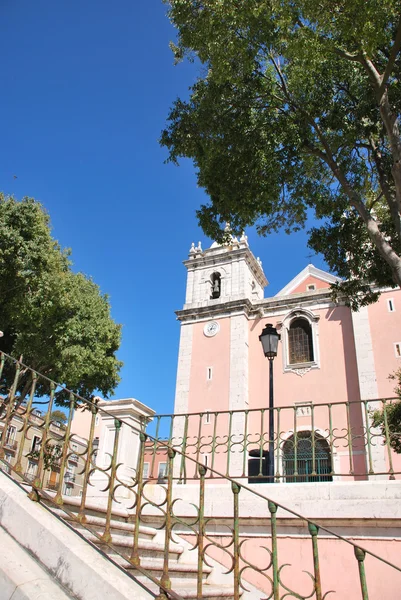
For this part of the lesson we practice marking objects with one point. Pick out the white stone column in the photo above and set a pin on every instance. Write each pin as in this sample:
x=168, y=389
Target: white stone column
x=368, y=385
x=131, y=413
x=238, y=389
x=181, y=403
x=190, y=287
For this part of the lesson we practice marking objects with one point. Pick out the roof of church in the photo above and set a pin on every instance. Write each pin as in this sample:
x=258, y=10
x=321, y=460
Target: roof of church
x=309, y=271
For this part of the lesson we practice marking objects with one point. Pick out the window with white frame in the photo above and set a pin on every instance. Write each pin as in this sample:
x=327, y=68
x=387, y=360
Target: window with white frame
x=209, y=373
x=162, y=471
x=10, y=435
x=300, y=341
x=390, y=305
x=145, y=473
x=311, y=287
x=397, y=349
x=207, y=418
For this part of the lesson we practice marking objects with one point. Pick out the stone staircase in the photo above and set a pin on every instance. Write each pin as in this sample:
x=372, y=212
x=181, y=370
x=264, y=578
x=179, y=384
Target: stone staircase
x=182, y=561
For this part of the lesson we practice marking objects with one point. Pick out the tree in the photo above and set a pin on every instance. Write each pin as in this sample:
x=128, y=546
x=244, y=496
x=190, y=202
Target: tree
x=51, y=455
x=57, y=320
x=57, y=416
x=393, y=416
x=298, y=110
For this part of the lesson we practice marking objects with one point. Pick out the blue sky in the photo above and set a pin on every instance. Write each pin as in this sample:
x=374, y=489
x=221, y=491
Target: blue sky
x=85, y=91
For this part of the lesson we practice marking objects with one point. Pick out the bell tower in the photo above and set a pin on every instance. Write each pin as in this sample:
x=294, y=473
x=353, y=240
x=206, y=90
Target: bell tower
x=225, y=285
x=223, y=273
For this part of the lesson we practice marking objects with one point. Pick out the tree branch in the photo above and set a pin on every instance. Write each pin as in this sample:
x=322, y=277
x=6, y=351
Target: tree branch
x=377, y=237
x=391, y=201
x=392, y=58
x=283, y=86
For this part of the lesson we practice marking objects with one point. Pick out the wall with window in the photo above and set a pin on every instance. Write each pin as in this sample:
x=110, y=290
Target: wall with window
x=385, y=331
x=310, y=284
x=155, y=462
x=331, y=377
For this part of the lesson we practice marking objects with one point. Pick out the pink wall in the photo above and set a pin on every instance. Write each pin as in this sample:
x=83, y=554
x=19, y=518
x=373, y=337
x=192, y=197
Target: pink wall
x=81, y=423
x=210, y=352
x=338, y=566
x=335, y=381
x=385, y=327
x=154, y=456
x=303, y=286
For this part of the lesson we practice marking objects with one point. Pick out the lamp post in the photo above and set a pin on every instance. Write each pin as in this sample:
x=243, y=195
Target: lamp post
x=269, y=339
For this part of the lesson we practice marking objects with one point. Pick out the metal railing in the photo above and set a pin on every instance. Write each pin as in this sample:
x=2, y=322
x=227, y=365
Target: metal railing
x=186, y=511
x=312, y=442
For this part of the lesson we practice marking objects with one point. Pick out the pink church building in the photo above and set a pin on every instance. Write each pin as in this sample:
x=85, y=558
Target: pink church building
x=331, y=372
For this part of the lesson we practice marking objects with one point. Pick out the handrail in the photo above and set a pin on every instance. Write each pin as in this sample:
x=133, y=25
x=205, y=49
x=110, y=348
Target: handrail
x=253, y=410
x=311, y=442
x=144, y=503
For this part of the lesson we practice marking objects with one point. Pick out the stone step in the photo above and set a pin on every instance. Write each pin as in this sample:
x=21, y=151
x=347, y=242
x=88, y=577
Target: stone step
x=189, y=590
x=147, y=548
x=98, y=524
x=208, y=591
x=183, y=576
x=177, y=571
x=93, y=508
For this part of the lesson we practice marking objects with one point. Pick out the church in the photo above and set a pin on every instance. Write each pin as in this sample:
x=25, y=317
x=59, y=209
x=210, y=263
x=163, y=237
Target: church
x=331, y=372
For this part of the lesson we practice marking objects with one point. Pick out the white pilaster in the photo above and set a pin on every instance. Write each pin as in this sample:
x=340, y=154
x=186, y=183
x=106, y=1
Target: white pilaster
x=181, y=403
x=238, y=389
x=133, y=415
x=368, y=384
x=184, y=369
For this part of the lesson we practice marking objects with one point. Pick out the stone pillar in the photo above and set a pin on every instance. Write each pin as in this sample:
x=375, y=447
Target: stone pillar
x=238, y=391
x=368, y=385
x=133, y=414
x=181, y=403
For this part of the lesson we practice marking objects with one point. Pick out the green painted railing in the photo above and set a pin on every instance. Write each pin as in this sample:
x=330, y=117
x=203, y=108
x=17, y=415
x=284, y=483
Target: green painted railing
x=183, y=511
x=312, y=442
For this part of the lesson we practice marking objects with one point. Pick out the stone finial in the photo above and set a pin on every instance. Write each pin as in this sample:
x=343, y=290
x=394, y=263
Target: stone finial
x=259, y=262
x=192, y=250
x=199, y=248
x=244, y=238
x=227, y=228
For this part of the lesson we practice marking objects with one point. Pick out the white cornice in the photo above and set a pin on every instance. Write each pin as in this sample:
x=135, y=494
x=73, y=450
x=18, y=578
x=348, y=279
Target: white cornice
x=318, y=299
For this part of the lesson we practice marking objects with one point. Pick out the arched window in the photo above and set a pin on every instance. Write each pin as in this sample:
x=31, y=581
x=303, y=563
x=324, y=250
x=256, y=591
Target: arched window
x=215, y=280
x=307, y=459
x=300, y=344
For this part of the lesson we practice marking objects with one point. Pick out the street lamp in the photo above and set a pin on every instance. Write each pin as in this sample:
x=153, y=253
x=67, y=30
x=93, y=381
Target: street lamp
x=270, y=339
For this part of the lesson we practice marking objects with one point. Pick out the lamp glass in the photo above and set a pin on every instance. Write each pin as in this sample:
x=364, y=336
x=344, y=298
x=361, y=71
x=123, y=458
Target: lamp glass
x=269, y=338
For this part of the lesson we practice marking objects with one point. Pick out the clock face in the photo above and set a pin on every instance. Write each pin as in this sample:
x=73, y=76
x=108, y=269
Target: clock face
x=210, y=329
